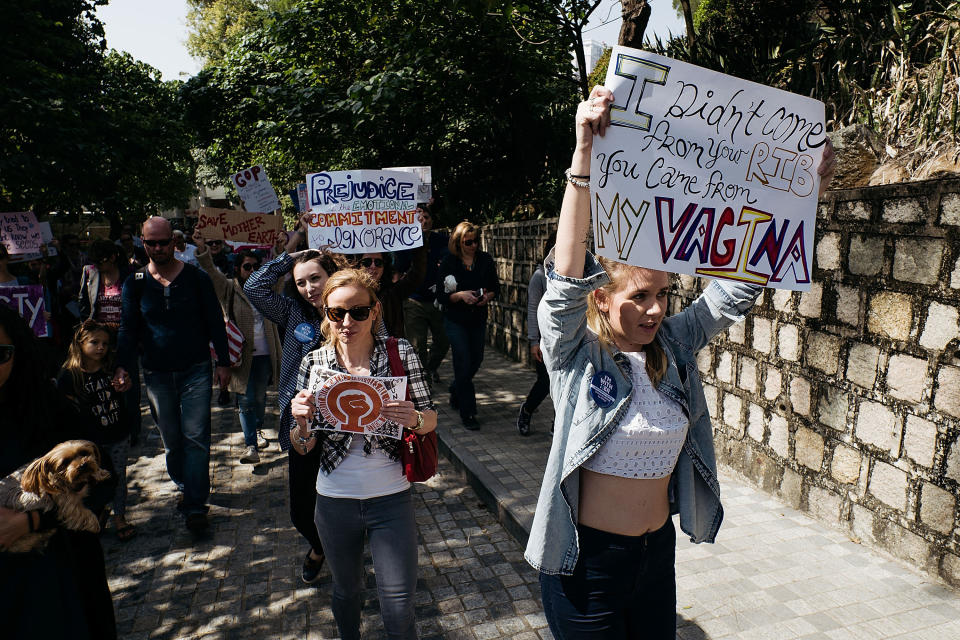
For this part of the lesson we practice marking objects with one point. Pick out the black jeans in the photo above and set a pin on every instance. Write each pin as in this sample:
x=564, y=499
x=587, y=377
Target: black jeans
x=622, y=587
x=303, y=494
x=466, y=342
x=539, y=390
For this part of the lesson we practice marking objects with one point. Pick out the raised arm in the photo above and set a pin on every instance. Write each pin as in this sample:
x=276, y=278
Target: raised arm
x=220, y=283
x=260, y=289
x=593, y=117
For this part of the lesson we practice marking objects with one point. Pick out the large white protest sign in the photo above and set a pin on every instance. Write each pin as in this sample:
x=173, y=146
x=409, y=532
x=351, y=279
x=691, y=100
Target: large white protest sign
x=363, y=211
x=425, y=175
x=20, y=232
x=706, y=174
x=353, y=404
x=254, y=188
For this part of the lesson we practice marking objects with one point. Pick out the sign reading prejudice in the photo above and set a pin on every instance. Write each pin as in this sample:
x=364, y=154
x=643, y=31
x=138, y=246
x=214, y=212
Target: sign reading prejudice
x=706, y=174
x=238, y=226
x=363, y=211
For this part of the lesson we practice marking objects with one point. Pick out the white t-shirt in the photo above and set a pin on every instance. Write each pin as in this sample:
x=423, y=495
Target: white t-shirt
x=362, y=476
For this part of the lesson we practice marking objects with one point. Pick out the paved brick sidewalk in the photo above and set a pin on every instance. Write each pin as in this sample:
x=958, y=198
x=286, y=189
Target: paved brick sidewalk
x=774, y=573
x=242, y=580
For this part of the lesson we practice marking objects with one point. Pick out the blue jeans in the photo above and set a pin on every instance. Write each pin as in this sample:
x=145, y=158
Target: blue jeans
x=466, y=342
x=622, y=587
x=390, y=523
x=252, y=405
x=181, y=402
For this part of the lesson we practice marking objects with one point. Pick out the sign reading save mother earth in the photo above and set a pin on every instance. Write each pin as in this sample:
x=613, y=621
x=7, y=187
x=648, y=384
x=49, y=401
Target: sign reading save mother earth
x=363, y=211
x=705, y=174
x=353, y=404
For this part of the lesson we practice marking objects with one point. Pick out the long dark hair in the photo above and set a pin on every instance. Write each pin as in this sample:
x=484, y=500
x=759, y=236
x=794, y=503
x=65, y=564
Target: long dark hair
x=25, y=392
x=331, y=263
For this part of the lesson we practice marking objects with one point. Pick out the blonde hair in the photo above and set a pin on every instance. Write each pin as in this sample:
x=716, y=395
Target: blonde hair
x=346, y=278
x=459, y=231
x=74, y=362
x=599, y=322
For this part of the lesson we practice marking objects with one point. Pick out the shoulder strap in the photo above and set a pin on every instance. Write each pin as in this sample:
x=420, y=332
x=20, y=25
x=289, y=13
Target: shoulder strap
x=393, y=353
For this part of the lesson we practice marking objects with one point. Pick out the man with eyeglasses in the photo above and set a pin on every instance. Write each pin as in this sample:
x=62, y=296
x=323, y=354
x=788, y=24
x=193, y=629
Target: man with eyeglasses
x=260, y=355
x=170, y=316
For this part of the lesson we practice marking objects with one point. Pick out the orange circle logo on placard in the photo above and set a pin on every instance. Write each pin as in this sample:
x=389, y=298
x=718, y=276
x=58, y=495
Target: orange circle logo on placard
x=353, y=404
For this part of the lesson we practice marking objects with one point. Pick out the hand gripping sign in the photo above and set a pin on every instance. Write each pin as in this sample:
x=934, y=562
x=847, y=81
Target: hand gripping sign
x=706, y=174
x=353, y=404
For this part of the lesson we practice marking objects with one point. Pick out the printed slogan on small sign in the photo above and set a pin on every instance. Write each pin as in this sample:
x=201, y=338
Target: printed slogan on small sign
x=363, y=211
x=353, y=404
x=254, y=188
x=706, y=174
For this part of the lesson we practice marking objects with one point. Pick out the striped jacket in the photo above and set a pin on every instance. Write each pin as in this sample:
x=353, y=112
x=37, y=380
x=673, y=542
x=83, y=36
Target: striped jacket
x=292, y=316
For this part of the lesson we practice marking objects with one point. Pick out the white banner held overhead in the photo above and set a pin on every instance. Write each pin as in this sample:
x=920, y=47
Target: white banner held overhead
x=363, y=211
x=254, y=188
x=706, y=174
x=425, y=175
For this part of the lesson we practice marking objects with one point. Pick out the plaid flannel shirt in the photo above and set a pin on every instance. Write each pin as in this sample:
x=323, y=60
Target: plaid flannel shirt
x=334, y=445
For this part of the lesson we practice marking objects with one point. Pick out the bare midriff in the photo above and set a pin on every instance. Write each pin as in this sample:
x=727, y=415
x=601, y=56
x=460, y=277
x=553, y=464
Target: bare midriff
x=625, y=506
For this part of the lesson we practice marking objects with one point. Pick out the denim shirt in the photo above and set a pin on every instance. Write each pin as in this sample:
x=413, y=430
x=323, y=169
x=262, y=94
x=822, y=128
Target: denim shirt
x=573, y=355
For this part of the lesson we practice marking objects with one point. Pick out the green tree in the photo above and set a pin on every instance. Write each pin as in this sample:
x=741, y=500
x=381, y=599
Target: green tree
x=330, y=86
x=48, y=86
x=144, y=163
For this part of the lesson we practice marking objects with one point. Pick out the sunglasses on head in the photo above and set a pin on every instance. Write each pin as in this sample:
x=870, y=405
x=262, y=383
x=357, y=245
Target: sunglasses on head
x=337, y=314
x=367, y=262
x=158, y=243
x=6, y=353
x=469, y=242
x=249, y=266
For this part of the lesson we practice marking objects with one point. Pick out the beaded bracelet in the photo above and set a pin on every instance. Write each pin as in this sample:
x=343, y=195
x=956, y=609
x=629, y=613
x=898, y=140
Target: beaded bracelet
x=577, y=181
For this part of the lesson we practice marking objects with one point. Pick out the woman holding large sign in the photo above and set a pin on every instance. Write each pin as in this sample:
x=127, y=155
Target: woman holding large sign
x=299, y=316
x=633, y=442
x=347, y=413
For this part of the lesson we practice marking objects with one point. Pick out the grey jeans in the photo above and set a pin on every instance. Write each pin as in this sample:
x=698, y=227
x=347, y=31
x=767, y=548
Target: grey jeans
x=390, y=523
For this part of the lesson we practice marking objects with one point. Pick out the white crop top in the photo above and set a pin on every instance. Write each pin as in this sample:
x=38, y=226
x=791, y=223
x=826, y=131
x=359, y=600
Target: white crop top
x=650, y=436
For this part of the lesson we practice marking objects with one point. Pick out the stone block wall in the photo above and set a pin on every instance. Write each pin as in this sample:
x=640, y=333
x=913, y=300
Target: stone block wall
x=845, y=400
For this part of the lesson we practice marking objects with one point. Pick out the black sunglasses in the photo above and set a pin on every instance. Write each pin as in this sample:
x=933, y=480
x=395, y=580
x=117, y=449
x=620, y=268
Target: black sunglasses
x=6, y=353
x=366, y=262
x=249, y=266
x=469, y=242
x=337, y=314
x=158, y=243
x=211, y=243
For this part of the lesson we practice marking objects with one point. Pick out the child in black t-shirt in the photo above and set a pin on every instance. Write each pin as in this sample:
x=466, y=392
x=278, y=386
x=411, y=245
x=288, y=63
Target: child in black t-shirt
x=85, y=381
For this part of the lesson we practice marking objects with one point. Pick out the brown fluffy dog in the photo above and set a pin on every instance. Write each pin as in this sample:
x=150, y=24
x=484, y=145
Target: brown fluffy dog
x=58, y=480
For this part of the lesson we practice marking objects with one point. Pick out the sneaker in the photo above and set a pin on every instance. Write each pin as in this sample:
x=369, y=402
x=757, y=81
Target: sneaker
x=197, y=522
x=310, y=571
x=262, y=441
x=250, y=456
x=523, y=420
x=470, y=423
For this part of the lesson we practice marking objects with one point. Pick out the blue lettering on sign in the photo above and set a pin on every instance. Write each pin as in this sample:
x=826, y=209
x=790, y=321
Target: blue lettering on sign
x=304, y=332
x=376, y=238
x=603, y=389
x=324, y=191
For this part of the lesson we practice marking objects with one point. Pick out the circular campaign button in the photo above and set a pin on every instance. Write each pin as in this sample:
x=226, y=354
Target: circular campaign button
x=304, y=332
x=603, y=389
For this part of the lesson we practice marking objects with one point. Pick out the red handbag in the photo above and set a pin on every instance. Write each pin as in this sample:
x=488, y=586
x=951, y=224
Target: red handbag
x=418, y=453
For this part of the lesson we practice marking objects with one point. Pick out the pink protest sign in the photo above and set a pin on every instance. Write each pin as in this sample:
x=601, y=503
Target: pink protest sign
x=27, y=300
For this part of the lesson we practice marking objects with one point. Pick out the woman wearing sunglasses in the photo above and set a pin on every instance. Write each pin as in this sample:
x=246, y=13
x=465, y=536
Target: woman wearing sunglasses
x=297, y=315
x=392, y=292
x=468, y=281
x=260, y=357
x=361, y=488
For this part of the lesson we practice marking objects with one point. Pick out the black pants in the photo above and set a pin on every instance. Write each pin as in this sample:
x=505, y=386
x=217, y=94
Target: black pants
x=539, y=390
x=622, y=587
x=303, y=495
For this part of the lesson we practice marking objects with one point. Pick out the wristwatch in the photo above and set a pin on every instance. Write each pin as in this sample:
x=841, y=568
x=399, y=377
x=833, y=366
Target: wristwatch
x=419, y=422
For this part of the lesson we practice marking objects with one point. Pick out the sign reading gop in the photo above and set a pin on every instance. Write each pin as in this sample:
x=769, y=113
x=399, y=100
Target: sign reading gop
x=363, y=211
x=706, y=174
x=27, y=300
x=254, y=188
x=353, y=404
